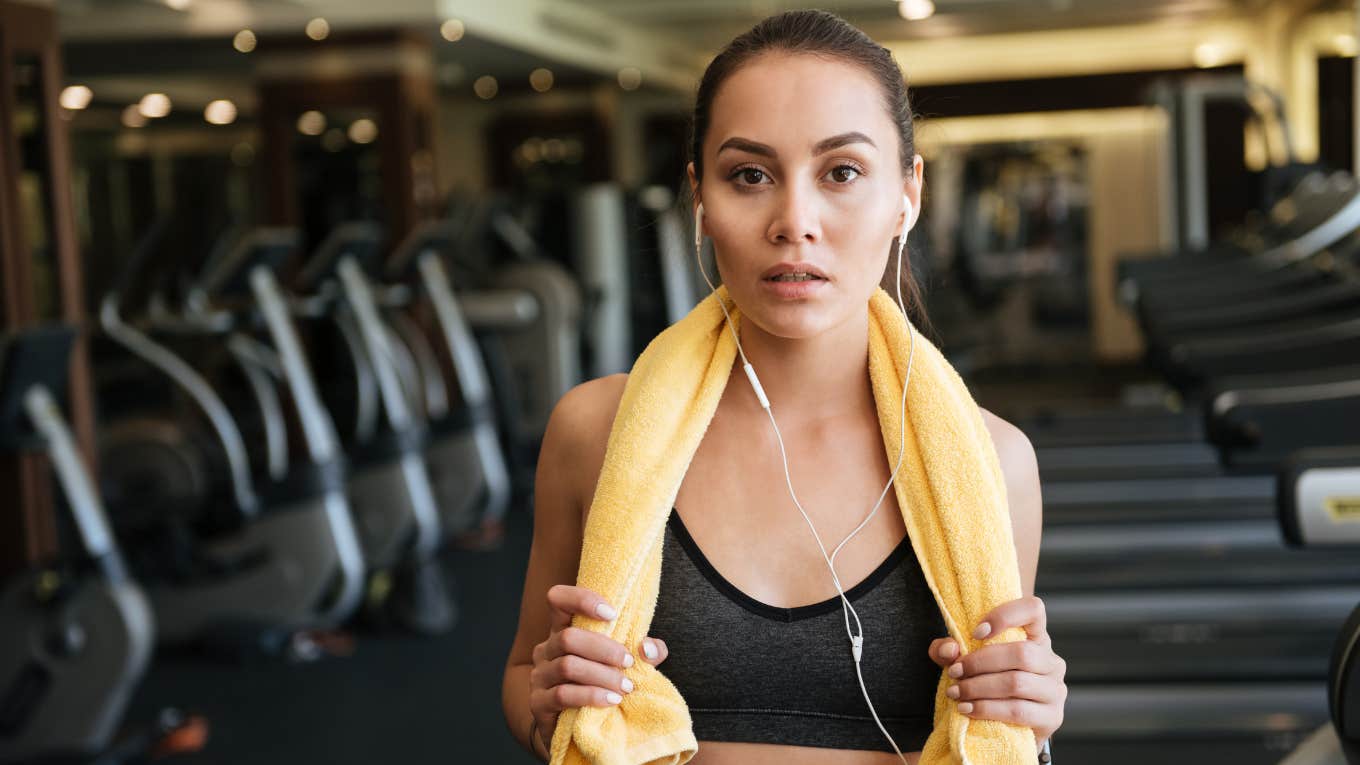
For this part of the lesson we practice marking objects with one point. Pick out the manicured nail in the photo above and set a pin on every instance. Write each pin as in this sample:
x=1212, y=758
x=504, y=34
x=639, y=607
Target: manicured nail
x=627, y=660
x=613, y=698
x=952, y=691
x=606, y=613
x=951, y=650
x=982, y=631
x=956, y=670
x=966, y=707
x=627, y=685
x=649, y=649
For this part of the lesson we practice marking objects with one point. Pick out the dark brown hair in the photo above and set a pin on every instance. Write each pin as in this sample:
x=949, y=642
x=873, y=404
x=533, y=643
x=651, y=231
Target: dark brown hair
x=819, y=33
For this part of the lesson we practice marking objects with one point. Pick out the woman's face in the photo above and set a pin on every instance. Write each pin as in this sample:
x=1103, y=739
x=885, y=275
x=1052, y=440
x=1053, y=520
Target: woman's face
x=801, y=165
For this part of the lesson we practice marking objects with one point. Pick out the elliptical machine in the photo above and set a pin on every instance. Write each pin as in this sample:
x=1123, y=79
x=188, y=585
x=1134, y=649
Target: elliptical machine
x=389, y=487
x=466, y=457
x=77, y=638
x=283, y=559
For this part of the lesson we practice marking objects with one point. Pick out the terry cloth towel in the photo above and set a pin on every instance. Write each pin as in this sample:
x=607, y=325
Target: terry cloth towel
x=950, y=489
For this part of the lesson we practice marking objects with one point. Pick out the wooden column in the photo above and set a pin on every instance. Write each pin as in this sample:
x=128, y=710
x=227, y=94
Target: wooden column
x=28, y=33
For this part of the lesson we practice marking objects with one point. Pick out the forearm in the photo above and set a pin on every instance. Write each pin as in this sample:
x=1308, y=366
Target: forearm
x=515, y=706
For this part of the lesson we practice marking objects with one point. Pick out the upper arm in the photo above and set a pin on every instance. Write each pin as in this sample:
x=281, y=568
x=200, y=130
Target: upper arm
x=569, y=462
x=1023, y=495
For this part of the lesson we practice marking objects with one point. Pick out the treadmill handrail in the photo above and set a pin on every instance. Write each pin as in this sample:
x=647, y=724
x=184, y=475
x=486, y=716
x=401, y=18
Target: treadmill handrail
x=1338, y=226
x=1314, y=605
x=1267, y=341
x=1295, y=394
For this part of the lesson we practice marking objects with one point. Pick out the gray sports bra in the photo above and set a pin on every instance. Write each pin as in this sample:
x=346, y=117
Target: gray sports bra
x=753, y=672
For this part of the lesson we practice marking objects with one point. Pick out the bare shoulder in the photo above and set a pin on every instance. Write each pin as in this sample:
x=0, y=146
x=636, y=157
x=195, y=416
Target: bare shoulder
x=584, y=417
x=1024, y=498
x=1014, y=450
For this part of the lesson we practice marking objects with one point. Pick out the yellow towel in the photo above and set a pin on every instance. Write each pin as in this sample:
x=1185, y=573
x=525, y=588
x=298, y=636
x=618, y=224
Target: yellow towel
x=950, y=489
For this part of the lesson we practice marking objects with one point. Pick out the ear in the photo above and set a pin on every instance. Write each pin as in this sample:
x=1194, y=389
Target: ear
x=913, y=186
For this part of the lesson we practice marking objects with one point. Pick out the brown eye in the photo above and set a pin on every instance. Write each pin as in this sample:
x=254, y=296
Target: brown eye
x=751, y=175
x=839, y=173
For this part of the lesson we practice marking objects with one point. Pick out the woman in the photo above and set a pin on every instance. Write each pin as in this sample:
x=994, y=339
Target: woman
x=802, y=156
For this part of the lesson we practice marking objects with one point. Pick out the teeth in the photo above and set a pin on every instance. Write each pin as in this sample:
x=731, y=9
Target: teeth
x=793, y=278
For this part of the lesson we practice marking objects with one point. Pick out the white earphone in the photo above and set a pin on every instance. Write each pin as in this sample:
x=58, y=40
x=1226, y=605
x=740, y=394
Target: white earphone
x=856, y=641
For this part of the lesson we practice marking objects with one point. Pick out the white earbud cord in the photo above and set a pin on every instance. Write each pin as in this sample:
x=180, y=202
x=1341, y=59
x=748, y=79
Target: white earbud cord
x=856, y=641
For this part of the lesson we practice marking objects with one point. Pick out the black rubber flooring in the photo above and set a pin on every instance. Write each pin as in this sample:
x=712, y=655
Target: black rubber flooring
x=399, y=699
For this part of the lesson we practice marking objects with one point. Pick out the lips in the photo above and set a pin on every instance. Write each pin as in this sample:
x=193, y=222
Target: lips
x=793, y=268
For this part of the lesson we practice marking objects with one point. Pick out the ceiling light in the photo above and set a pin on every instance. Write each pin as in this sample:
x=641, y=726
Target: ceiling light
x=541, y=79
x=311, y=123
x=486, y=87
x=244, y=41
x=76, y=97
x=1208, y=55
x=363, y=131
x=179, y=5
x=452, y=30
x=630, y=78
x=1346, y=44
x=154, y=105
x=318, y=29
x=221, y=112
x=915, y=10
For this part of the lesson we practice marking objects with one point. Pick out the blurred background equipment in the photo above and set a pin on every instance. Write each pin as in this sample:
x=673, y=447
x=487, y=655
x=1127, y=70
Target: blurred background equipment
x=289, y=288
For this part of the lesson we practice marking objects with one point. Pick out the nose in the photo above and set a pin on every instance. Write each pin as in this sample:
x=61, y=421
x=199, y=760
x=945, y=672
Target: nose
x=796, y=219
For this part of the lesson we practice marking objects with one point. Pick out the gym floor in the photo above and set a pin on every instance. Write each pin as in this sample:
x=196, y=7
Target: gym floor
x=398, y=699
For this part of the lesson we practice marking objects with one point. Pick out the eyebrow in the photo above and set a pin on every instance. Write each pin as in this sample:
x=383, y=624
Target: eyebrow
x=821, y=147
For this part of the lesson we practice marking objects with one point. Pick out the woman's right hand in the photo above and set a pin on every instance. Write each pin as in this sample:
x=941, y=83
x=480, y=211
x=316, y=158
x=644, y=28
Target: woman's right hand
x=576, y=667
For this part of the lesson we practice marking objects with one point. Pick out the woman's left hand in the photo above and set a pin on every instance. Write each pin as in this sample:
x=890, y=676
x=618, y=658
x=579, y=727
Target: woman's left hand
x=1019, y=682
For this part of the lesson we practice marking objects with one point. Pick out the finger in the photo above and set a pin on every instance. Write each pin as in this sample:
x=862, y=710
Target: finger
x=1026, y=713
x=574, y=670
x=654, y=650
x=568, y=695
x=1025, y=686
x=1027, y=613
x=1024, y=655
x=944, y=651
x=592, y=646
x=568, y=600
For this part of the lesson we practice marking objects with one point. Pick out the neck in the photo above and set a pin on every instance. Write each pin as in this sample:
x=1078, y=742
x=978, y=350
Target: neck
x=805, y=379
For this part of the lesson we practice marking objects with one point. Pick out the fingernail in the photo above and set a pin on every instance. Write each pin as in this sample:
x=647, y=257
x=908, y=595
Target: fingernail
x=606, y=613
x=649, y=649
x=982, y=631
x=966, y=707
x=952, y=691
x=627, y=660
x=956, y=670
x=613, y=698
x=951, y=650
x=627, y=685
